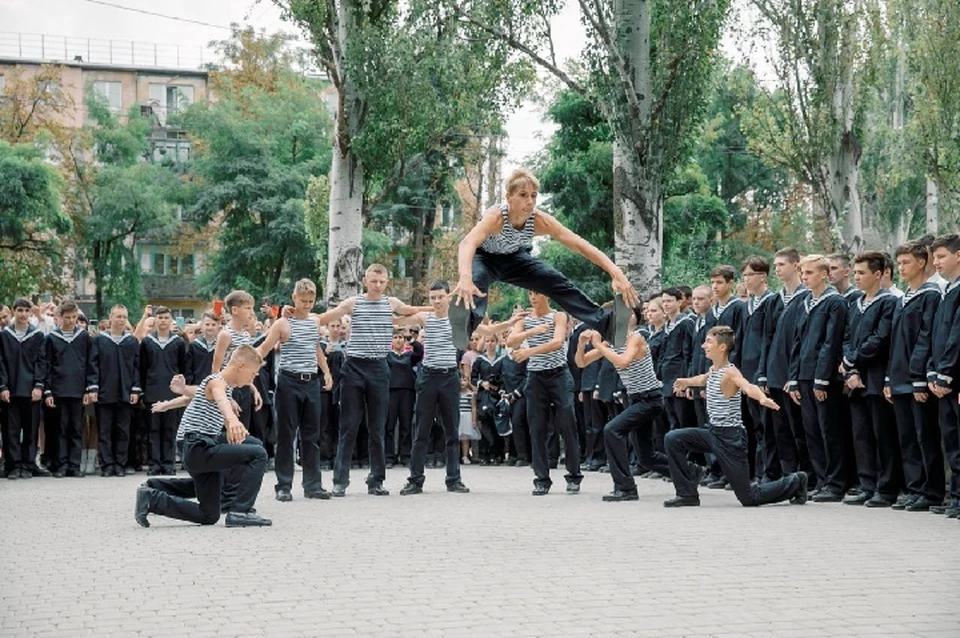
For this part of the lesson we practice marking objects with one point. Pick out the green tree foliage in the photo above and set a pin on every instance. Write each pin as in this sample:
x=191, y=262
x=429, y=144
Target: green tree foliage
x=30, y=219
x=117, y=198
x=256, y=149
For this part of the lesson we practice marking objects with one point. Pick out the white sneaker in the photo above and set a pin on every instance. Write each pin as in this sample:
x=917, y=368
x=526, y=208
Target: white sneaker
x=465, y=461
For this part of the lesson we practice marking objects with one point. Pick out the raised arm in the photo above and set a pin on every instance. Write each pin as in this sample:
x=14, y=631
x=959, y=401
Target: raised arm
x=584, y=358
x=519, y=335
x=342, y=309
x=493, y=329
x=417, y=319
x=223, y=342
x=406, y=310
x=556, y=342
x=490, y=224
x=278, y=333
x=733, y=379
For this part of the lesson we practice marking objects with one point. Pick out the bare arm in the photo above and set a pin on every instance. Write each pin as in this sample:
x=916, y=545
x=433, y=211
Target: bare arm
x=216, y=391
x=279, y=333
x=173, y=404
x=417, y=319
x=517, y=336
x=690, y=382
x=490, y=224
x=223, y=342
x=559, y=336
x=407, y=310
x=343, y=308
x=584, y=358
x=493, y=329
x=733, y=379
x=636, y=348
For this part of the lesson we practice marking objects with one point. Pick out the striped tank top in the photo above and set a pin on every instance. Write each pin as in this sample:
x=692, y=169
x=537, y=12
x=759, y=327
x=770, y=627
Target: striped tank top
x=438, y=348
x=372, y=332
x=466, y=402
x=509, y=239
x=202, y=416
x=299, y=352
x=237, y=339
x=550, y=360
x=639, y=376
x=722, y=411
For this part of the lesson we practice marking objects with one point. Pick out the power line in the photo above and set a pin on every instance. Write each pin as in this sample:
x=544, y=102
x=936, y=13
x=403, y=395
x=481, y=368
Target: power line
x=157, y=15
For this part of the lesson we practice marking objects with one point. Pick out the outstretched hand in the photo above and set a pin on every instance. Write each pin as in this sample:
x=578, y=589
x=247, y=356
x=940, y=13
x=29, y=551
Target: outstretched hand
x=622, y=286
x=464, y=293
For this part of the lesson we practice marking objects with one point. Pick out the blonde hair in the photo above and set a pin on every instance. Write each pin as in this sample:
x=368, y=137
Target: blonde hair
x=247, y=354
x=520, y=177
x=304, y=286
x=819, y=261
x=377, y=269
x=237, y=299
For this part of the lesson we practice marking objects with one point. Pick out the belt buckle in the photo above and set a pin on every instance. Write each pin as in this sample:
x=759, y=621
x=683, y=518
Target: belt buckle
x=305, y=376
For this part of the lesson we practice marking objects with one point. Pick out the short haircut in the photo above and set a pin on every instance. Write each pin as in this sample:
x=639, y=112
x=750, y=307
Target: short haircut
x=520, y=177
x=788, y=253
x=377, y=269
x=237, y=299
x=926, y=240
x=725, y=271
x=843, y=258
x=686, y=290
x=440, y=285
x=118, y=306
x=914, y=248
x=209, y=314
x=655, y=299
x=875, y=260
x=674, y=292
x=247, y=354
x=889, y=264
x=68, y=306
x=161, y=310
x=756, y=263
x=950, y=241
x=22, y=302
x=657, y=296
x=304, y=286
x=702, y=289
x=816, y=260
x=724, y=337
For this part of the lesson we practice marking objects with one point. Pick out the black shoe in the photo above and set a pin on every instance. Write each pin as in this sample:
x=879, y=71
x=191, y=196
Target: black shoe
x=59, y=473
x=326, y=465
x=800, y=496
x=828, y=496
x=154, y=471
x=391, y=465
x=377, y=490
x=338, y=491
x=284, y=495
x=878, y=500
x=541, y=490
x=573, y=488
x=683, y=501
x=922, y=504
x=119, y=470
x=459, y=316
x=953, y=512
x=13, y=474
x=411, y=488
x=512, y=462
x=106, y=472
x=320, y=494
x=719, y=484
x=904, y=500
x=73, y=473
x=248, y=519
x=523, y=463
x=39, y=470
x=458, y=487
x=860, y=498
x=142, y=506
x=25, y=473
x=616, y=496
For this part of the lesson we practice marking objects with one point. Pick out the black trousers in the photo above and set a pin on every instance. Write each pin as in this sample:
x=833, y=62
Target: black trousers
x=699, y=407
x=917, y=425
x=364, y=390
x=543, y=390
x=680, y=412
x=595, y=453
x=948, y=412
x=639, y=417
x=298, y=408
x=521, y=429
x=113, y=433
x=137, y=452
x=767, y=465
x=786, y=429
x=438, y=395
x=824, y=425
x=729, y=446
x=329, y=426
x=20, y=433
x=163, y=431
x=208, y=460
x=879, y=468
x=526, y=271
x=396, y=439
x=244, y=398
x=70, y=418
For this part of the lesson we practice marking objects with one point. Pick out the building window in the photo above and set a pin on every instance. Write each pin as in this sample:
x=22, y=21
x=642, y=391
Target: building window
x=167, y=99
x=173, y=265
x=186, y=265
x=110, y=93
x=158, y=264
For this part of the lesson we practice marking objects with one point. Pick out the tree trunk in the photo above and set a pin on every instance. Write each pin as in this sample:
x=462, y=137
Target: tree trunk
x=845, y=176
x=97, y=280
x=345, y=251
x=637, y=184
x=933, y=207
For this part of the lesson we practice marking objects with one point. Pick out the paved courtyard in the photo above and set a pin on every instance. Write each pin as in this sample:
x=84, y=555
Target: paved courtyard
x=496, y=562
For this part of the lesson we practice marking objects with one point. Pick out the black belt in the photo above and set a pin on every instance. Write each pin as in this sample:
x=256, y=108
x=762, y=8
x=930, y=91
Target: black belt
x=646, y=394
x=429, y=370
x=196, y=436
x=549, y=372
x=300, y=376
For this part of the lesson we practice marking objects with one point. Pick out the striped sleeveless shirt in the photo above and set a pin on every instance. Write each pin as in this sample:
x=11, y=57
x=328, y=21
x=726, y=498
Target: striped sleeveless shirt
x=202, y=416
x=466, y=402
x=438, y=348
x=372, y=332
x=550, y=360
x=722, y=411
x=639, y=376
x=237, y=339
x=509, y=239
x=299, y=352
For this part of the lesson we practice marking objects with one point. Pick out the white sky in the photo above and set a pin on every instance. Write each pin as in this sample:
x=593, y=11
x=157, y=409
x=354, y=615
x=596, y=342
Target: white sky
x=82, y=19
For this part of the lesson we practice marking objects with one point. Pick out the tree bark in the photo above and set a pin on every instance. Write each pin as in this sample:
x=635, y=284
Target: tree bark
x=933, y=206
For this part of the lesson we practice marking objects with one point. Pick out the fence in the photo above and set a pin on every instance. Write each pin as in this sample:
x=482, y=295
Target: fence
x=56, y=48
